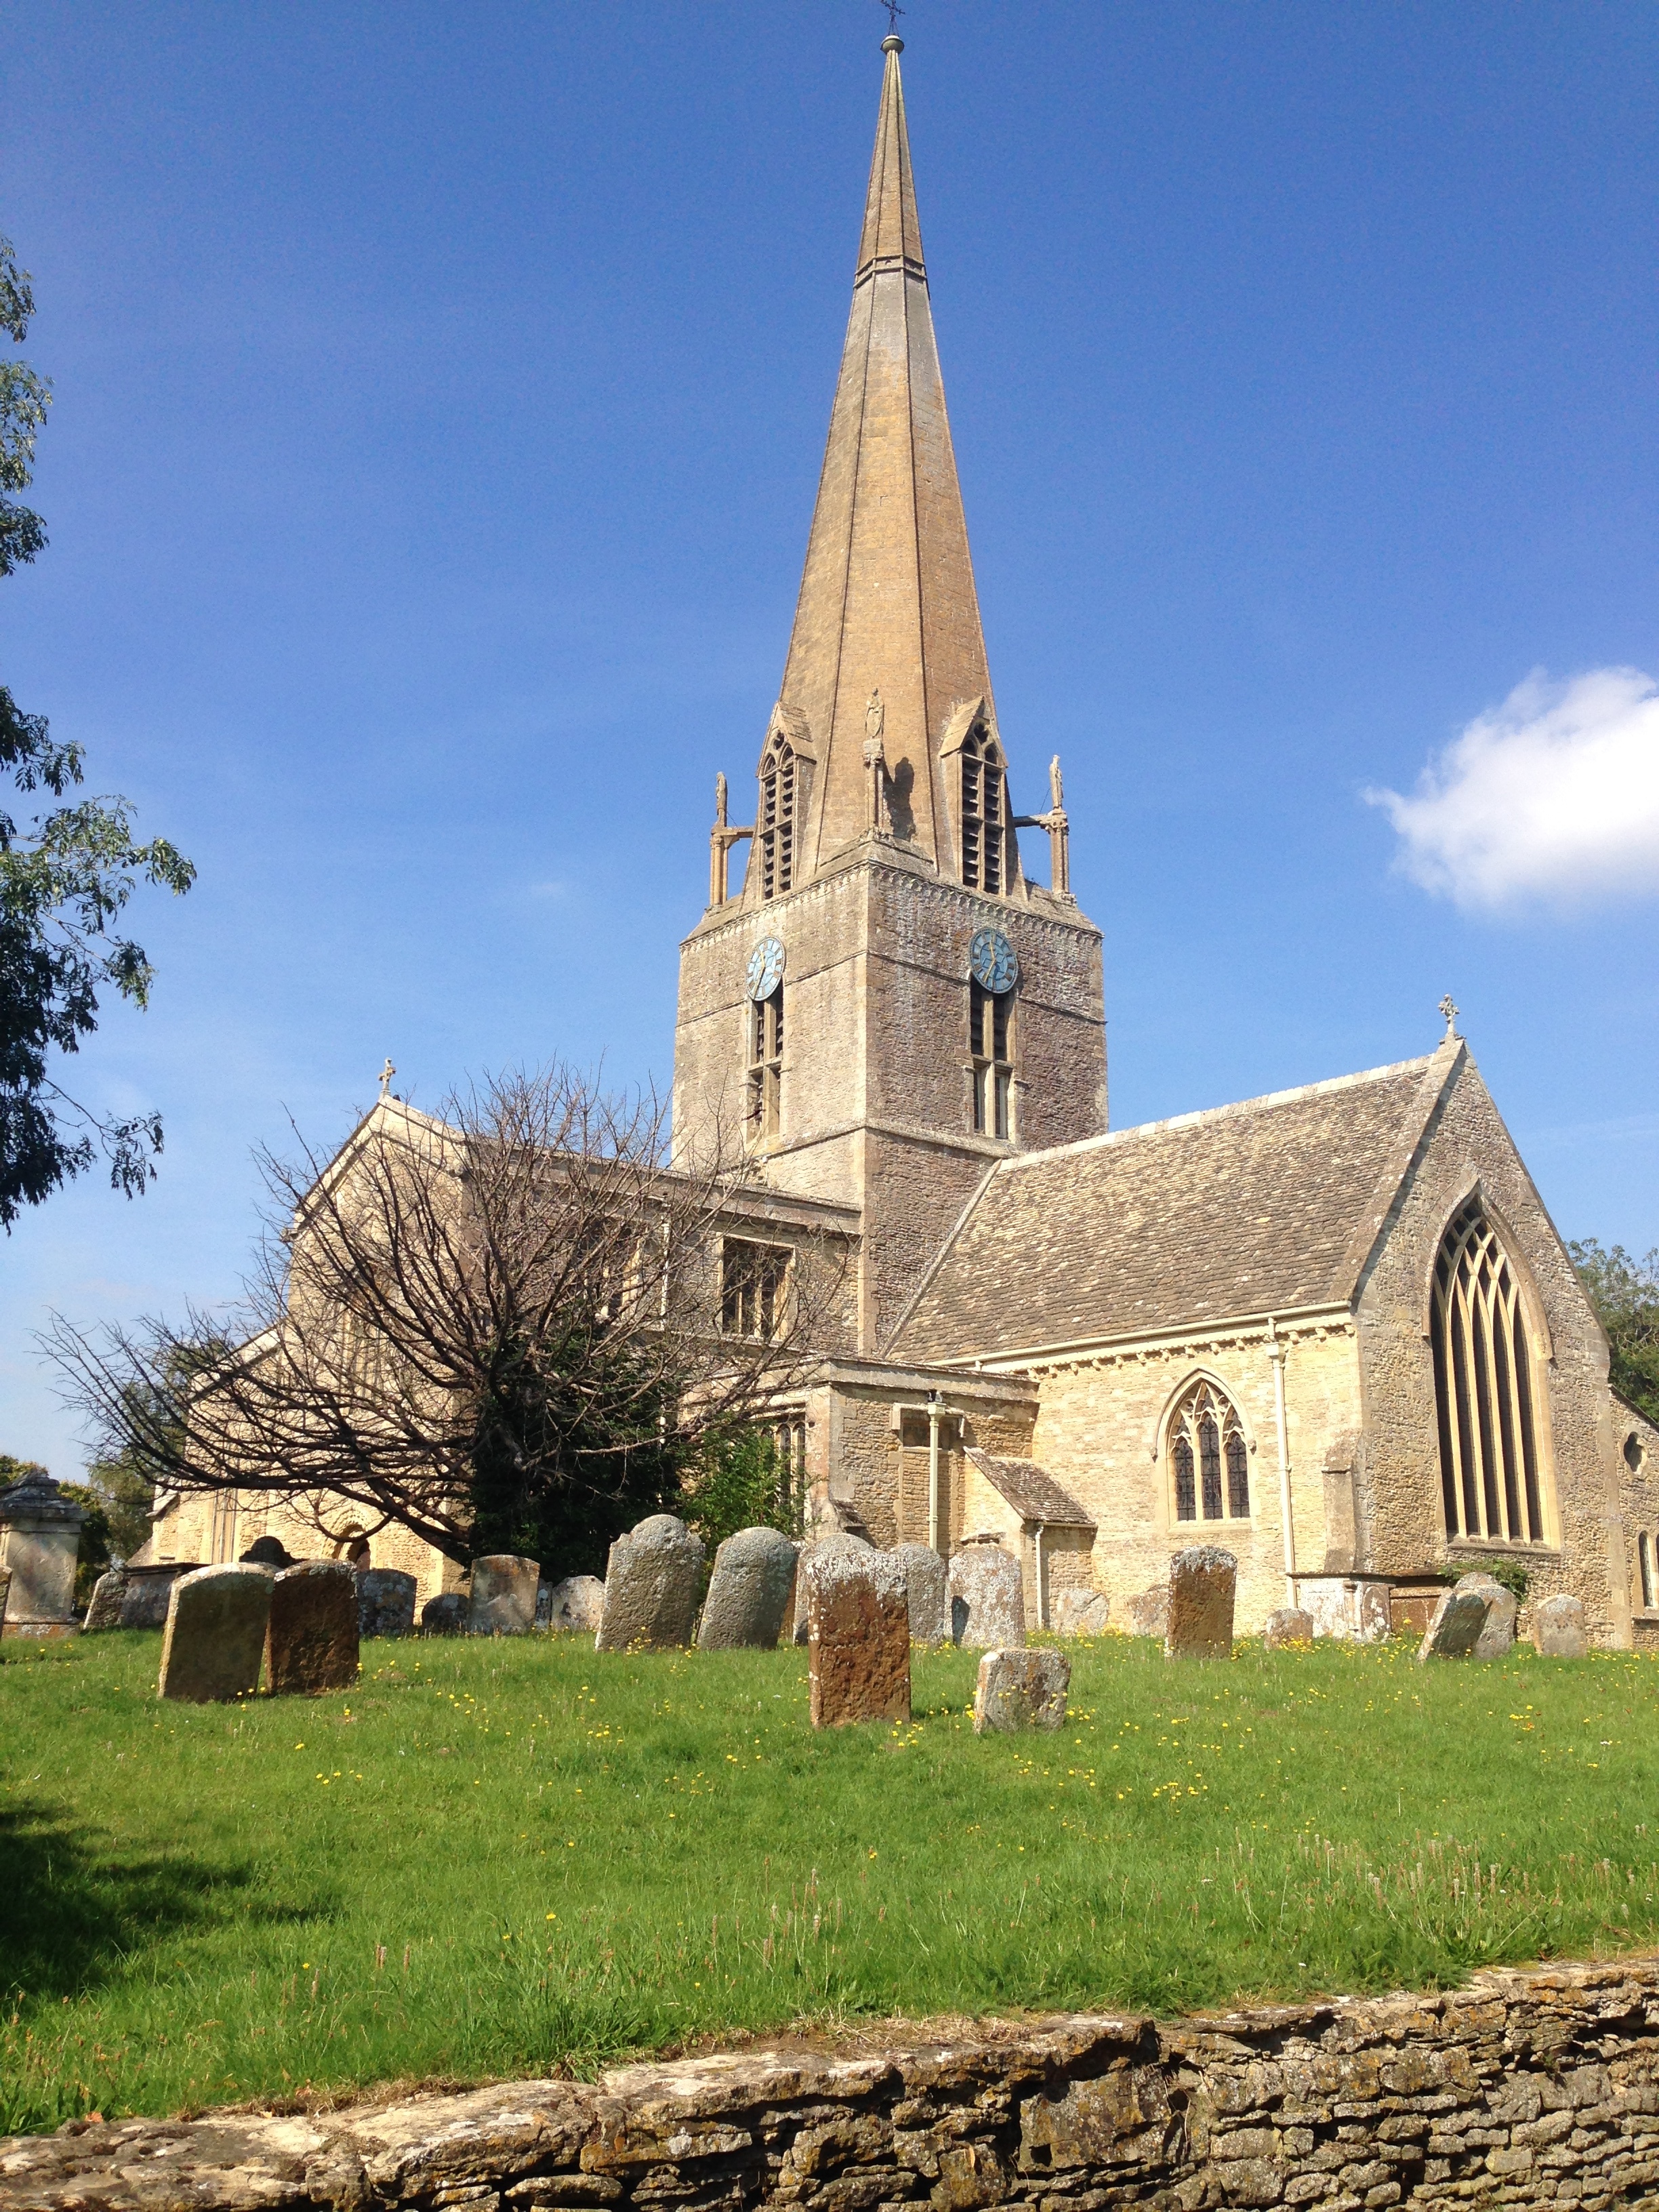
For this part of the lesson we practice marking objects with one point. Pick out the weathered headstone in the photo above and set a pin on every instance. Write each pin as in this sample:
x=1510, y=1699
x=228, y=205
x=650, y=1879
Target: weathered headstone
x=150, y=1592
x=1149, y=1612
x=1203, y=1580
x=1497, y=1640
x=445, y=1614
x=651, y=1580
x=268, y=1552
x=1558, y=1628
x=927, y=1583
x=754, y=1573
x=108, y=1596
x=1455, y=1627
x=1290, y=1624
x=987, y=1598
x=5, y=1595
x=215, y=1634
x=830, y=1540
x=1020, y=1690
x=1080, y=1612
x=39, y=1544
x=386, y=1602
x=576, y=1606
x=311, y=1638
x=503, y=1601
x=858, y=1610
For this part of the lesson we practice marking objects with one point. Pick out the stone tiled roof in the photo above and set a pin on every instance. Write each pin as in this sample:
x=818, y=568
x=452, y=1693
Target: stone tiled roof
x=1033, y=1493
x=1255, y=1208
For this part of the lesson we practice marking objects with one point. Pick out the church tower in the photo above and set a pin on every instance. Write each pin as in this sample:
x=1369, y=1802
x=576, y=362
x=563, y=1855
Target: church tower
x=887, y=1004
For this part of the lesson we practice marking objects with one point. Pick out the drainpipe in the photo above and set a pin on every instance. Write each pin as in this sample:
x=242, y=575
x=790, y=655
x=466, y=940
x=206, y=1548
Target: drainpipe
x=932, y=1470
x=1276, y=1353
x=1041, y=1594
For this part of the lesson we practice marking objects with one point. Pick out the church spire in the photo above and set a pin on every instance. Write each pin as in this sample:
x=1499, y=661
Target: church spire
x=886, y=647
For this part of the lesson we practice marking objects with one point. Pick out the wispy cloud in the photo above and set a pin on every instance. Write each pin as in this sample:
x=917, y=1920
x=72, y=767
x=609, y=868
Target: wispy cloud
x=1554, y=795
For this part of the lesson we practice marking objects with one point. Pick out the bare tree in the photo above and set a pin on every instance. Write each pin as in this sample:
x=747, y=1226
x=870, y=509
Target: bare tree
x=507, y=1327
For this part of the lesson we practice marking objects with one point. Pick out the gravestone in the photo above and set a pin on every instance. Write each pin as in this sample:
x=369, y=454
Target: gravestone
x=1455, y=1627
x=386, y=1602
x=833, y=1539
x=445, y=1614
x=503, y=1598
x=1290, y=1624
x=1149, y=1613
x=987, y=1598
x=1558, y=1628
x=754, y=1573
x=268, y=1552
x=576, y=1606
x=1080, y=1612
x=1020, y=1690
x=1497, y=1640
x=5, y=1595
x=1203, y=1580
x=215, y=1634
x=927, y=1589
x=39, y=1544
x=651, y=1582
x=858, y=1610
x=150, y=1592
x=108, y=1596
x=311, y=1638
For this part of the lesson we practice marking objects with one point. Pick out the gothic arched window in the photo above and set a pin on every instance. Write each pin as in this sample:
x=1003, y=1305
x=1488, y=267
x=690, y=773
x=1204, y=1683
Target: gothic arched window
x=984, y=814
x=1209, y=1457
x=1485, y=1390
x=775, y=826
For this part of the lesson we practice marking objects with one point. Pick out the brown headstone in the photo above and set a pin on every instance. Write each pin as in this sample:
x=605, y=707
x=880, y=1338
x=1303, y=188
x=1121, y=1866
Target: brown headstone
x=858, y=1614
x=311, y=1643
x=1202, y=1581
x=503, y=1601
x=1020, y=1690
x=215, y=1634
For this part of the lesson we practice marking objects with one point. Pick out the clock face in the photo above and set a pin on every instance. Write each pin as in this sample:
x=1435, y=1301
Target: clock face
x=993, y=962
x=765, y=969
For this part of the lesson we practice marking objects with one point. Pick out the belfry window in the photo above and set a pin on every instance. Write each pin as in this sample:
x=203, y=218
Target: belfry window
x=1209, y=1458
x=1485, y=1390
x=990, y=1041
x=774, y=827
x=984, y=815
x=766, y=1065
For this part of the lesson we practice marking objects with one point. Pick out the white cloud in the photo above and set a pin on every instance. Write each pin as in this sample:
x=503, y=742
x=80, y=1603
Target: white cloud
x=1554, y=795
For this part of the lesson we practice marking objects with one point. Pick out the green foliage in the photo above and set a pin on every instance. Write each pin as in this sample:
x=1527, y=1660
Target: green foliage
x=127, y=1498
x=1624, y=1293
x=741, y=1481
x=212, y=1905
x=62, y=882
x=1511, y=1576
x=13, y=1470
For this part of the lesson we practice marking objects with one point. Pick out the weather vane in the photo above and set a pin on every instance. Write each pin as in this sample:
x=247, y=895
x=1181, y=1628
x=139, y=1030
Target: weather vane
x=893, y=11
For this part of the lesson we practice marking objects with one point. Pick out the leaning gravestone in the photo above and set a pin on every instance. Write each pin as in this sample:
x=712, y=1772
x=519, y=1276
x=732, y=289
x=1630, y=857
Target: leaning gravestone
x=1203, y=1581
x=503, y=1601
x=1149, y=1613
x=1290, y=1624
x=1020, y=1690
x=651, y=1580
x=1497, y=1640
x=858, y=1611
x=386, y=1602
x=215, y=1634
x=987, y=1597
x=109, y=1594
x=1558, y=1628
x=1455, y=1625
x=445, y=1614
x=311, y=1641
x=576, y=1605
x=1080, y=1612
x=150, y=1592
x=927, y=1586
x=754, y=1573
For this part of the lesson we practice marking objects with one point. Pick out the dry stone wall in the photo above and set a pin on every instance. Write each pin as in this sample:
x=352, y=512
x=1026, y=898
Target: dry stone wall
x=1538, y=2088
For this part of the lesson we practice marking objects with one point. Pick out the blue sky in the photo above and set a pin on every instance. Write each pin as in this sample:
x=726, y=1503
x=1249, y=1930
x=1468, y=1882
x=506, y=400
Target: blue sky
x=440, y=392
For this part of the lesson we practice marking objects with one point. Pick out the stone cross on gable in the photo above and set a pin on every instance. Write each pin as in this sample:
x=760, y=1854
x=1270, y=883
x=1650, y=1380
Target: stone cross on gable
x=386, y=1074
x=1449, y=1011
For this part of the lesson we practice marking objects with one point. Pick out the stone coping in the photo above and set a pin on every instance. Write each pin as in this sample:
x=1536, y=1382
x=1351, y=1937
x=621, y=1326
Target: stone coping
x=1526, y=2087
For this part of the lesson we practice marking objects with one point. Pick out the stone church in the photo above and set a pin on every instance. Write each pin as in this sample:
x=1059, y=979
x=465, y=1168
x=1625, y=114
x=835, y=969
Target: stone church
x=1333, y=1329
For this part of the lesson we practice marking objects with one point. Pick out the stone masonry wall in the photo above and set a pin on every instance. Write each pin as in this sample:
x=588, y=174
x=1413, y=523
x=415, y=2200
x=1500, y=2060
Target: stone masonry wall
x=1527, y=2089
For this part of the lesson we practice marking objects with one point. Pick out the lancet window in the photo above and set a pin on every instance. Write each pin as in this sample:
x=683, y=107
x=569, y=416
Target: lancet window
x=765, y=1065
x=754, y=1280
x=1644, y=1567
x=1486, y=1390
x=990, y=1041
x=984, y=831
x=774, y=827
x=1209, y=1457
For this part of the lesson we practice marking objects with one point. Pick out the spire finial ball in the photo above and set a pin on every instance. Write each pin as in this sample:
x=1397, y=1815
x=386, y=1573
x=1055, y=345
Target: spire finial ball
x=892, y=44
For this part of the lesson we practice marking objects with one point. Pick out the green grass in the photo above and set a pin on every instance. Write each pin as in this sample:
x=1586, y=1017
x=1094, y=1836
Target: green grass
x=495, y=1858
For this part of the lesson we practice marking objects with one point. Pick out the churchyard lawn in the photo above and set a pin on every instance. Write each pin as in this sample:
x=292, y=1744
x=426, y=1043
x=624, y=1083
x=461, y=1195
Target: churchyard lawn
x=505, y=1857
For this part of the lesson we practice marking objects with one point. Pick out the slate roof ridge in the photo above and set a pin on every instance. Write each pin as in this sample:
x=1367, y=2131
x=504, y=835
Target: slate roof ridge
x=1235, y=1107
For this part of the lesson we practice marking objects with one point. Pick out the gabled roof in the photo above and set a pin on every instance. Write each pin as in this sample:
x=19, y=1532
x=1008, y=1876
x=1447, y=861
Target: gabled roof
x=1031, y=1490
x=1262, y=1207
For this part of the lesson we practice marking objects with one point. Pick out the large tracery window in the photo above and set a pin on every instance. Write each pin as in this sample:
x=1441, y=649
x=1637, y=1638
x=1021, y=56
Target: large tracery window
x=775, y=829
x=1209, y=1457
x=984, y=830
x=1484, y=1387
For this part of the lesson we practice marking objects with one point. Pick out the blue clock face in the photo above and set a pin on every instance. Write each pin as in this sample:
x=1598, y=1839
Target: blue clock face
x=765, y=969
x=993, y=962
